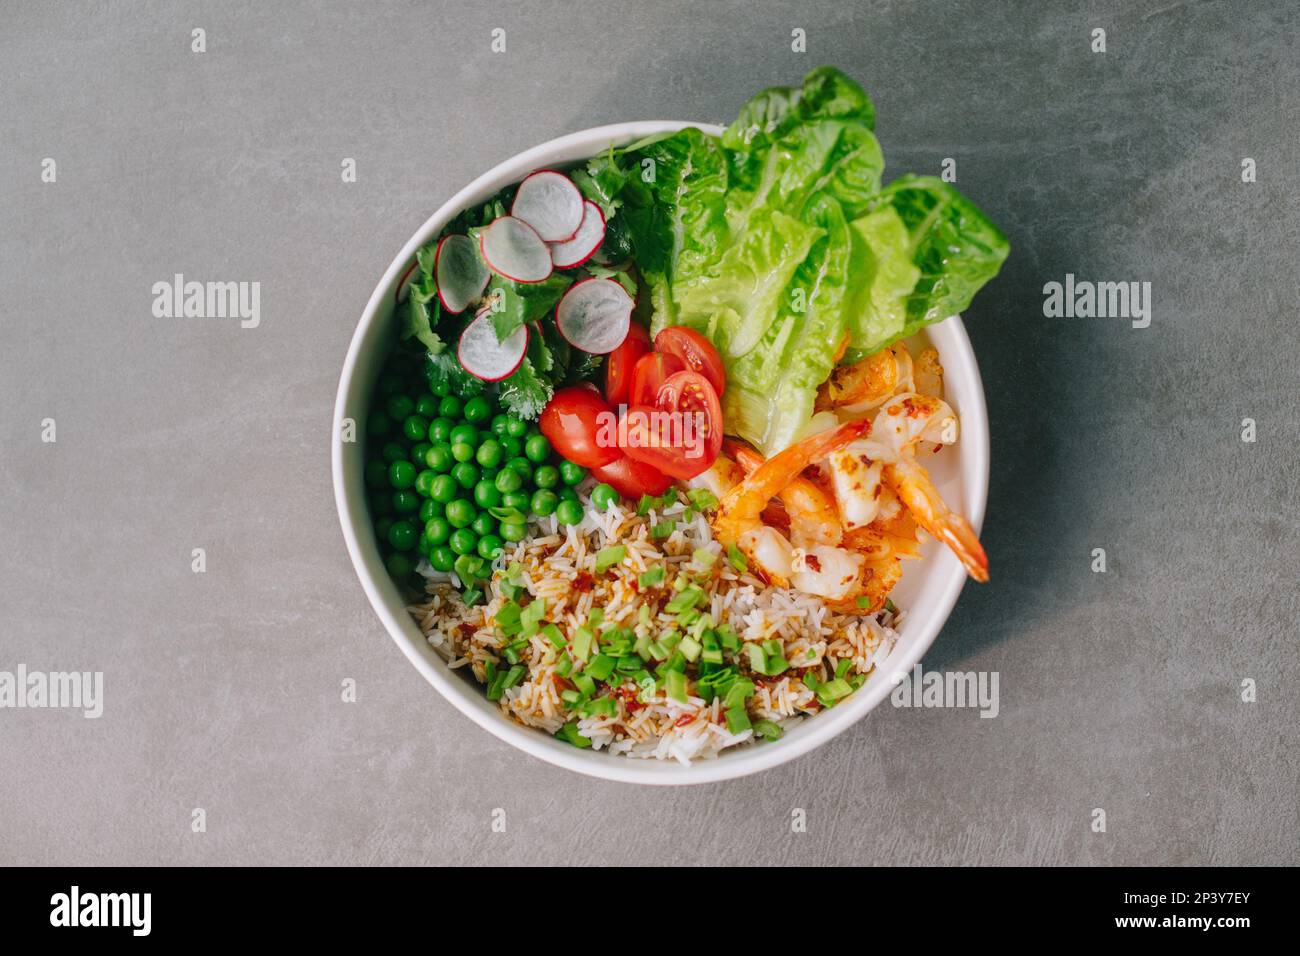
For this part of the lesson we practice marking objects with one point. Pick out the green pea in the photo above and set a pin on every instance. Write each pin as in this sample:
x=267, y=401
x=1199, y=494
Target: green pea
x=519, y=500
x=402, y=535
x=546, y=476
x=514, y=530
x=443, y=489
x=437, y=531
x=399, y=566
x=378, y=423
x=499, y=425
x=439, y=458
x=424, y=481
x=442, y=558
x=461, y=513
x=508, y=479
x=571, y=474
x=544, y=502
x=568, y=512
x=463, y=541
x=537, y=448
x=478, y=409
x=401, y=474
x=376, y=474
x=464, y=433
x=406, y=502
x=489, y=453
x=516, y=427
x=483, y=523
x=427, y=406
x=451, y=407
x=603, y=495
x=523, y=466
x=430, y=509
x=394, y=452
x=466, y=474
x=489, y=547
x=418, y=451
x=568, y=493
x=381, y=528
x=462, y=451
x=381, y=503
x=440, y=430
x=511, y=447
x=423, y=546
x=415, y=427
x=486, y=494
x=440, y=388
x=399, y=407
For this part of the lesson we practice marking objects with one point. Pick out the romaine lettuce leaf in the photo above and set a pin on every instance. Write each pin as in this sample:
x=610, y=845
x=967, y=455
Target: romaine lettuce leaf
x=747, y=289
x=674, y=203
x=770, y=390
x=953, y=245
x=885, y=276
x=825, y=93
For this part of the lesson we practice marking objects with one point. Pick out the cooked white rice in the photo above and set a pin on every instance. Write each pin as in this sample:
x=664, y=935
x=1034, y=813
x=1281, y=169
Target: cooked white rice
x=559, y=565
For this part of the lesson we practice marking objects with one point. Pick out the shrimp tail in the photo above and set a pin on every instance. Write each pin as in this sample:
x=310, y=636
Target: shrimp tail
x=914, y=488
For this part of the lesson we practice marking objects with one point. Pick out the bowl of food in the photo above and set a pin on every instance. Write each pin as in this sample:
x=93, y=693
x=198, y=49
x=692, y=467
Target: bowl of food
x=660, y=449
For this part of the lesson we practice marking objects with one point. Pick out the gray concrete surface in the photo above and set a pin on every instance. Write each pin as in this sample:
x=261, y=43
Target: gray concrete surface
x=1119, y=690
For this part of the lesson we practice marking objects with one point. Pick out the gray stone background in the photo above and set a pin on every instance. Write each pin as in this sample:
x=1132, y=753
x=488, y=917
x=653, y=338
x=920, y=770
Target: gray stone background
x=1119, y=690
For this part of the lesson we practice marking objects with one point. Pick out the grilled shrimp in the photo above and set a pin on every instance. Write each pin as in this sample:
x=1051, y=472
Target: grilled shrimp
x=912, y=484
x=857, y=471
x=811, y=512
x=866, y=383
x=820, y=569
x=927, y=373
x=887, y=457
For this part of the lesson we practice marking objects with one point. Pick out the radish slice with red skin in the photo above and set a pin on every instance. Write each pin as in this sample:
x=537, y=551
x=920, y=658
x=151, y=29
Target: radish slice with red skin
x=483, y=356
x=594, y=315
x=513, y=249
x=585, y=242
x=550, y=203
x=460, y=274
x=404, y=285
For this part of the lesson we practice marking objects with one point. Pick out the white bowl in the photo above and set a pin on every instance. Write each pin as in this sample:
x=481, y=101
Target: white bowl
x=927, y=592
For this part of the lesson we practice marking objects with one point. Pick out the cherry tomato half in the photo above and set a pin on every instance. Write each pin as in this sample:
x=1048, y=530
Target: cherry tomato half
x=574, y=420
x=618, y=367
x=695, y=351
x=685, y=442
x=632, y=478
x=651, y=371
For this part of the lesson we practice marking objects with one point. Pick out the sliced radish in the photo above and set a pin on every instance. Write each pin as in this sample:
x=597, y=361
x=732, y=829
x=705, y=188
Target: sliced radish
x=585, y=242
x=404, y=285
x=550, y=203
x=513, y=249
x=483, y=356
x=594, y=315
x=460, y=274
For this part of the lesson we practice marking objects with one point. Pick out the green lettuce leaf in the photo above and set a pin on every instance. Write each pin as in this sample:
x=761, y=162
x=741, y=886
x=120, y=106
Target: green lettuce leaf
x=771, y=389
x=825, y=93
x=953, y=245
x=885, y=276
